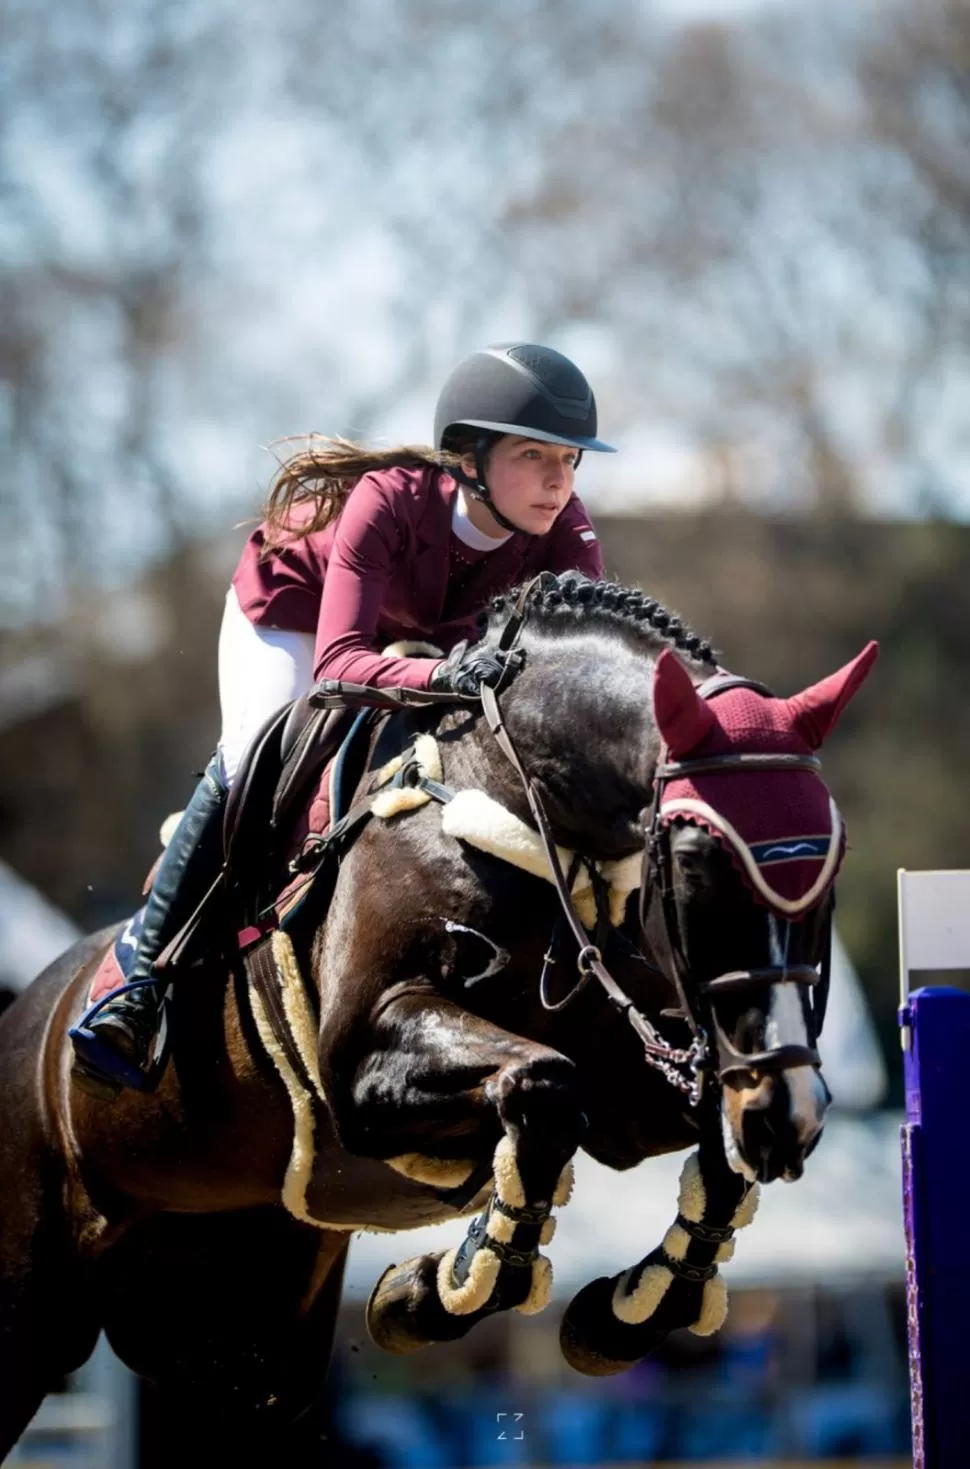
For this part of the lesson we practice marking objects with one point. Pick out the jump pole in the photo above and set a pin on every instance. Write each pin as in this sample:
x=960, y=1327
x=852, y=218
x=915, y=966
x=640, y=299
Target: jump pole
x=934, y=933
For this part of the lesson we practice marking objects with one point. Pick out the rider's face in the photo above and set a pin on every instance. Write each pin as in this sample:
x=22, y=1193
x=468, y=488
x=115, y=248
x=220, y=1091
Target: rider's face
x=529, y=481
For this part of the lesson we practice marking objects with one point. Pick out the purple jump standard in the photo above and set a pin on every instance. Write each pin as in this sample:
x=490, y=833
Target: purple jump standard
x=936, y=1205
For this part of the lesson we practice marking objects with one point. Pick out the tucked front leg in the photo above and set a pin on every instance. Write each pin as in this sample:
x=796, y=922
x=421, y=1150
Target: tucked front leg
x=613, y=1323
x=498, y=1264
x=437, y=1085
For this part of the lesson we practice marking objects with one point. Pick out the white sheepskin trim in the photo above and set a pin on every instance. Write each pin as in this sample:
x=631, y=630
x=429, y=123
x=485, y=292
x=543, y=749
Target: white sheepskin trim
x=390, y=769
x=625, y=873
x=692, y=1200
x=302, y=1026
x=167, y=829
x=401, y=798
x=408, y=798
x=406, y=649
x=508, y=1180
x=725, y=1252
x=714, y=1308
x=547, y=1231
x=585, y=904
x=300, y=1166
x=463, y=1299
x=675, y=1242
x=500, y=1227
x=428, y=756
x=474, y=817
x=651, y=1289
x=618, y=901
x=563, y=1191
x=747, y=1208
x=541, y=1289
x=624, y=878
x=438, y=1172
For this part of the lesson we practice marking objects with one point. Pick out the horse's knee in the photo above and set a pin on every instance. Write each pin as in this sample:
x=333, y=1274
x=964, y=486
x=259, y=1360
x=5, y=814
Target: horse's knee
x=538, y=1097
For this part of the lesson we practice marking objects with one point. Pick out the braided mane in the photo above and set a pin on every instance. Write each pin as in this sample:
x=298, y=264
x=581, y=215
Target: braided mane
x=573, y=601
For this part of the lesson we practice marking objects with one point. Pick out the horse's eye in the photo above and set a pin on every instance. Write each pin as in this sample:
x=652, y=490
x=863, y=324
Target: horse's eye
x=690, y=863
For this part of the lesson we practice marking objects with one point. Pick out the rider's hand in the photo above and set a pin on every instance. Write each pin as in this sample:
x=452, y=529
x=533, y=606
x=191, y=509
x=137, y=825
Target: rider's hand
x=466, y=669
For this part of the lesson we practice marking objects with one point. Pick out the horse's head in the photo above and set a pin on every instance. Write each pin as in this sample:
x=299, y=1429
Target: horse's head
x=744, y=846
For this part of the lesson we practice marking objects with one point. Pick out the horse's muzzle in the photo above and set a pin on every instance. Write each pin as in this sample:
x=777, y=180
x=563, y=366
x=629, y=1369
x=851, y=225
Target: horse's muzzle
x=779, y=1121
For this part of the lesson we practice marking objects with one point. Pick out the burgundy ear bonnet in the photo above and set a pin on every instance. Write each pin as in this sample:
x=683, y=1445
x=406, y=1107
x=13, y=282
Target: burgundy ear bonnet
x=781, y=827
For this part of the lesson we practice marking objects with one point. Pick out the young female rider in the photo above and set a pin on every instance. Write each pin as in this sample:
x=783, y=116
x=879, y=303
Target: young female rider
x=359, y=550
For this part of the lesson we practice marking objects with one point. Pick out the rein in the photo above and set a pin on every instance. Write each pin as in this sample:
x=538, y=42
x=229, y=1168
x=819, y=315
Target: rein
x=659, y=1053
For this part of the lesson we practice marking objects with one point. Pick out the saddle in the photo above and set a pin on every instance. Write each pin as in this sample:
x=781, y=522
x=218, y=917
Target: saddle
x=330, y=723
x=279, y=772
x=289, y=751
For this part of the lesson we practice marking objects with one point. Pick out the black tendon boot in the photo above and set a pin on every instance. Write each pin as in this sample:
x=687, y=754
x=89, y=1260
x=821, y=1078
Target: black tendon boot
x=115, y=1043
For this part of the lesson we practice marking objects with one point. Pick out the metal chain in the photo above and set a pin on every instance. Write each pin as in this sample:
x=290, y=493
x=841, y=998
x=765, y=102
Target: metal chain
x=666, y=1059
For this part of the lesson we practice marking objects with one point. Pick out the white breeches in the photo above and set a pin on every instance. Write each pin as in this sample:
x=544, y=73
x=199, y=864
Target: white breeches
x=260, y=670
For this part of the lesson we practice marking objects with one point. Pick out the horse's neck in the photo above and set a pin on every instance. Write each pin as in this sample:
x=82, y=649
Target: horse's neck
x=590, y=743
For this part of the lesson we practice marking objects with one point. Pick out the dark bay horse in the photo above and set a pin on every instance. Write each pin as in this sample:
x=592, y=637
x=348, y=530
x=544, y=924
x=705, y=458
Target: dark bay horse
x=194, y=1226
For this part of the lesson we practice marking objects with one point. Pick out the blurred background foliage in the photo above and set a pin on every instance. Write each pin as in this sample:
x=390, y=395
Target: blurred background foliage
x=226, y=223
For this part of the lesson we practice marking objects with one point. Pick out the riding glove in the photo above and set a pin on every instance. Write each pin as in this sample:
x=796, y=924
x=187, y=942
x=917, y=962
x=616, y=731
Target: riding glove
x=466, y=669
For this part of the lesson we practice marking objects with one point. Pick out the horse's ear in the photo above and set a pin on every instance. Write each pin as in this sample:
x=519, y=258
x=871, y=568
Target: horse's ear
x=815, y=711
x=682, y=718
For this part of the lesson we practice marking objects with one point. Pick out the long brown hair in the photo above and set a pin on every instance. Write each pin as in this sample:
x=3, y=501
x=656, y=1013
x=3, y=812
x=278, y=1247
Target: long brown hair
x=324, y=471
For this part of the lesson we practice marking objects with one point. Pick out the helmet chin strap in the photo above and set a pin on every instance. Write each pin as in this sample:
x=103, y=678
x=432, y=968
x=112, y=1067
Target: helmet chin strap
x=480, y=491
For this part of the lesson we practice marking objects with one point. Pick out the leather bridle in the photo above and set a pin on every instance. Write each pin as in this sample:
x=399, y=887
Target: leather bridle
x=589, y=961
x=696, y=998
x=684, y=1067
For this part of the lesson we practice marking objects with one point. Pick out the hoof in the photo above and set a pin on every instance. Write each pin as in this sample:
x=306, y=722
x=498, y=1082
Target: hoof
x=405, y=1313
x=595, y=1342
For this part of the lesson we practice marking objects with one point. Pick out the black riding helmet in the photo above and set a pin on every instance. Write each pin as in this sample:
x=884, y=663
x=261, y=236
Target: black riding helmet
x=515, y=388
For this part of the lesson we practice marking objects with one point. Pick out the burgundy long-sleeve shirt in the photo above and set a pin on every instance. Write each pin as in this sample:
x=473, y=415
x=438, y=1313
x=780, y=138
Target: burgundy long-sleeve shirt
x=391, y=568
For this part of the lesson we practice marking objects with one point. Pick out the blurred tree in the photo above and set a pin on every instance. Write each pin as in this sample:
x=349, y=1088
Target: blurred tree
x=768, y=239
x=105, y=223
x=184, y=207
x=226, y=224
x=915, y=79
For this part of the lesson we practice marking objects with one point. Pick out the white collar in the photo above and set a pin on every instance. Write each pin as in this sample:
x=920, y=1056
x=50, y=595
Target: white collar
x=469, y=533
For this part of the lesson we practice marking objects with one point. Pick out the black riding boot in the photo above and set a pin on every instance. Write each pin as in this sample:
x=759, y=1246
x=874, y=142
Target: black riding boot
x=118, y=1041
